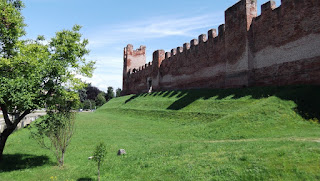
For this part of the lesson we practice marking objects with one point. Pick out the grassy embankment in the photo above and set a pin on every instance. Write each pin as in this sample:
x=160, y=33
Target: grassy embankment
x=247, y=134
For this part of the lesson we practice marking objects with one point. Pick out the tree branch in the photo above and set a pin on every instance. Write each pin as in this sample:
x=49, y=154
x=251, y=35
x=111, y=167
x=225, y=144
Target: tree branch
x=17, y=121
x=5, y=115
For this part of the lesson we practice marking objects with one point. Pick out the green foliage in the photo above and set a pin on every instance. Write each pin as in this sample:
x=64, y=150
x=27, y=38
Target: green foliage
x=15, y=58
x=241, y=134
x=92, y=92
x=68, y=51
x=100, y=100
x=82, y=95
x=54, y=132
x=11, y=27
x=99, y=156
x=110, y=93
x=100, y=153
x=42, y=73
x=89, y=104
x=34, y=74
x=20, y=78
x=118, y=92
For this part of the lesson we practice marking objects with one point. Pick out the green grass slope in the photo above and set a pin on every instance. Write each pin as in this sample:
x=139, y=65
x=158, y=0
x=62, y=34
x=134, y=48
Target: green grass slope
x=228, y=114
x=238, y=134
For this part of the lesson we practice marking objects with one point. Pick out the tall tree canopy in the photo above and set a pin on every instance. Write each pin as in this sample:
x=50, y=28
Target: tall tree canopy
x=11, y=26
x=92, y=92
x=110, y=93
x=118, y=92
x=100, y=100
x=34, y=74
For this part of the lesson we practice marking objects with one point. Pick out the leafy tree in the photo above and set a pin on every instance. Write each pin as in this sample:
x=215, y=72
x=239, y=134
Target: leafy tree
x=92, y=92
x=110, y=93
x=57, y=128
x=33, y=74
x=118, y=92
x=82, y=95
x=99, y=156
x=89, y=104
x=11, y=27
x=100, y=100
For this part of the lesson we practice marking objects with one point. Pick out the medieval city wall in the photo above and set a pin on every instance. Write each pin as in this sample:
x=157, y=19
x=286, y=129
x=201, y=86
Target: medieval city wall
x=279, y=47
x=286, y=44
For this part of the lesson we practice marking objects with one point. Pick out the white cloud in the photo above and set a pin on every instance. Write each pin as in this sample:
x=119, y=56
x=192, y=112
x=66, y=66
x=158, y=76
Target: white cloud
x=110, y=63
x=103, y=81
x=155, y=27
x=108, y=72
x=112, y=37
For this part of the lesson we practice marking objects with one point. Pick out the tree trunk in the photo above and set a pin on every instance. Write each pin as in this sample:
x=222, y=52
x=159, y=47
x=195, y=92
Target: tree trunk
x=98, y=172
x=3, y=139
x=61, y=161
x=11, y=126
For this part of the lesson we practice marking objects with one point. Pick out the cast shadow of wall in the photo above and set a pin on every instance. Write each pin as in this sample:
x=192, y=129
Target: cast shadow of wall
x=12, y=162
x=307, y=98
x=85, y=179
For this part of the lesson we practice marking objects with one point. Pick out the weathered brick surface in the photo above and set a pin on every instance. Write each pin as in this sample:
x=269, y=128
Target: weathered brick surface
x=306, y=71
x=133, y=61
x=278, y=47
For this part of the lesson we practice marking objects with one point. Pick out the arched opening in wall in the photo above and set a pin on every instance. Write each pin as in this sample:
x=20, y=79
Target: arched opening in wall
x=149, y=83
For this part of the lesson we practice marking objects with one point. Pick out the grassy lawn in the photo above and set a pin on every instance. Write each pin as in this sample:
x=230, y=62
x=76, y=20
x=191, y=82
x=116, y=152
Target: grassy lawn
x=248, y=134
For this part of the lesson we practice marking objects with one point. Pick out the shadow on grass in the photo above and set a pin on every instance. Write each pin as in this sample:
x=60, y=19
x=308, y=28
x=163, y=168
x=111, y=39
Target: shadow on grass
x=307, y=98
x=84, y=179
x=133, y=97
x=22, y=161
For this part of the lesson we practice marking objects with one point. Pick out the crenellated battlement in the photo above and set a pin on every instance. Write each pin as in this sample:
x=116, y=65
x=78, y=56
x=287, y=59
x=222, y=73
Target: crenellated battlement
x=194, y=43
x=202, y=38
x=212, y=34
x=186, y=46
x=277, y=47
x=268, y=6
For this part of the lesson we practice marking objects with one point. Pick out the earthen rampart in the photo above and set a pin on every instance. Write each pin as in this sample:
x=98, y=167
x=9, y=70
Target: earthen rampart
x=279, y=47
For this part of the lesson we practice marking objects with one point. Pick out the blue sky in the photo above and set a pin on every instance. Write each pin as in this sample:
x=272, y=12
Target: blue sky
x=111, y=25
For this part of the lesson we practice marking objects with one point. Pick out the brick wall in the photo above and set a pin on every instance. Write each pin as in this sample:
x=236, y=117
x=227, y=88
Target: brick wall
x=278, y=47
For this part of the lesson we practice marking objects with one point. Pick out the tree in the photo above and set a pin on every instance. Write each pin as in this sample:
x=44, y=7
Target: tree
x=100, y=100
x=11, y=27
x=110, y=93
x=57, y=127
x=82, y=95
x=89, y=104
x=99, y=156
x=92, y=92
x=118, y=92
x=34, y=74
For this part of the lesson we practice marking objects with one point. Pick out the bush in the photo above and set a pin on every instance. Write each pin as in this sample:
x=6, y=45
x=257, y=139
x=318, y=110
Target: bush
x=89, y=104
x=100, y=100
x=99, y=156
